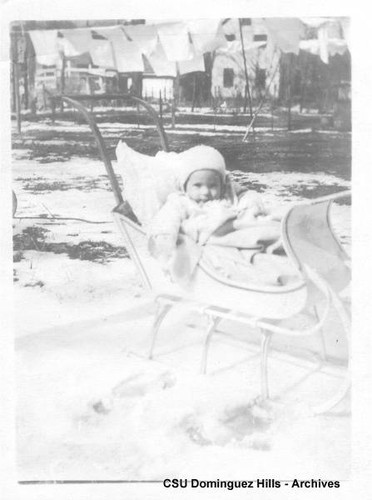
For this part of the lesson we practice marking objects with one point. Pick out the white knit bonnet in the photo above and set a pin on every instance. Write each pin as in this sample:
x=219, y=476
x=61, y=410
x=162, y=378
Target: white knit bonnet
x=199, y=158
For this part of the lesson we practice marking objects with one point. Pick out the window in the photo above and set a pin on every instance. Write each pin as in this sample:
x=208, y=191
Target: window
x=228, y=77
x=260, y=80
x=259, y=38
x=230, y=38
x=246, y=21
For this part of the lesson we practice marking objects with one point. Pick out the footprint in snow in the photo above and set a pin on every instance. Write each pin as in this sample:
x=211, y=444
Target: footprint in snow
x=136, y=385
x=247, y=425
x=141, y=383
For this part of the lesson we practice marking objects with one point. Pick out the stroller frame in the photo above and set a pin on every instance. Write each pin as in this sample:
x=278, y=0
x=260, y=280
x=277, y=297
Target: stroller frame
x=312, y=275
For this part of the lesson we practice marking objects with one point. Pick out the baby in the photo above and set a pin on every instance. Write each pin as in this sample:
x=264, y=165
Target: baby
x=229, y=229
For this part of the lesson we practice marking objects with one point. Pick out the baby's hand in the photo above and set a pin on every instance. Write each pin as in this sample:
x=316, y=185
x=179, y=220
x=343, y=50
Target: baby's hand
x=161, y=247
x=248, y=215
x=250, y=205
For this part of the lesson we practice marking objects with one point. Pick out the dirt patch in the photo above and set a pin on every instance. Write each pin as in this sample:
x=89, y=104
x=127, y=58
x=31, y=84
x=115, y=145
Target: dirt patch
x=38, y=185
x=35, y=238
x=32, y=238
x=316, y=190
x=278, y=151
x=95, y=251
x=47, y=186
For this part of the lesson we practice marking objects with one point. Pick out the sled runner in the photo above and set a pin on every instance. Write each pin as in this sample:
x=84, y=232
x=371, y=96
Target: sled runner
x=309, y=241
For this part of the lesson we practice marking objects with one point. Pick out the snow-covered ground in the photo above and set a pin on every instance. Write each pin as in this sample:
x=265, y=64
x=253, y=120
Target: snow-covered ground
x=90, y=403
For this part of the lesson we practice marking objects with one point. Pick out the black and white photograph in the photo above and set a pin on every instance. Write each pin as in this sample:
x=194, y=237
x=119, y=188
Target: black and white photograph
x=181, y=243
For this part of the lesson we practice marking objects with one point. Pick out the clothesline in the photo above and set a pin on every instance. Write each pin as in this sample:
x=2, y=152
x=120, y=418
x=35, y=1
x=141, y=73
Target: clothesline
x=122, y=47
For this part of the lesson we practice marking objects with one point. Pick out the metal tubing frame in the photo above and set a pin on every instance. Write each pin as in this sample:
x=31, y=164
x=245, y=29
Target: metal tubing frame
x=265, y=344
x=165, y=307
x=328, y=198
x=268, y=329
x=323, y=349
x=213, y=321
x=163, y=310
x=346, y=384
x=89, y=118
x=131, y=247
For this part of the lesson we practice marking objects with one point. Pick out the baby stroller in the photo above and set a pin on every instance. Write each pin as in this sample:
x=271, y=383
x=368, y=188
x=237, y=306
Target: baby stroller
x=308, y=240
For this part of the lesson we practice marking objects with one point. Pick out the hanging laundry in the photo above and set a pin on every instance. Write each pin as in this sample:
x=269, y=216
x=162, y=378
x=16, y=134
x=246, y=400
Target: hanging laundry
x=231, y=27
x=145, y=36
x=175, y=40
x=285, y=33
x=196, y=64
x=323, y=42
x=311, y=46
x=253, y=54
x=345, y=24
x=259, y=29
x=314, y=22
x=45, y=46
x=337, y=47
x=101, y=52
x=128, y=56
x=207, y=34
x=334, y=29
x=76, y=41
x=334, y=46
x=160, y=63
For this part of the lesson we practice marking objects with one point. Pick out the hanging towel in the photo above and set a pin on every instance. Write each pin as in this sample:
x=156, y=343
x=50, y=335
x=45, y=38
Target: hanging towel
x=285, y=33
x=145, y=36
x=128, y=55
x=45, y=46
x=160, y=63
x=174, y=38
x=101, y=53
x=206, y=34
x=311, y=46
x=337, y=46
x=76, y=41
x=334, y=29
x=331, y=48
x=345, y=24
x=323, y=42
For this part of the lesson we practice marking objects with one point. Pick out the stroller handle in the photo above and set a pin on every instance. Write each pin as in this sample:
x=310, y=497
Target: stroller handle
x=74, y=100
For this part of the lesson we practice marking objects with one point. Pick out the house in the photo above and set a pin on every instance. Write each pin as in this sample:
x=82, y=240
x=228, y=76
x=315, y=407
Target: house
x=228, y=74
x=190, y=60
x=286, y=59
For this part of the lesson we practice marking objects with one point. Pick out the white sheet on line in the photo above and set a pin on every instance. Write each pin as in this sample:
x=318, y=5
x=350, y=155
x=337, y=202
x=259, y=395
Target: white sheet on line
x=206, y=34
x=175, y=40
x=76, y=41
x=345, y=23
x=45, y=46
x=333, y=47
x=160, y=63
x=101, y=52
x=337, y=46
x=285, y=33
x=323, y=43
x=145, y=36
x=128, y=55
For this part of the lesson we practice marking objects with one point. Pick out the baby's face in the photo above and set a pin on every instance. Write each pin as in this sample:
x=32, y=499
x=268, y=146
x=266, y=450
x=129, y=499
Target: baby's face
x=204, y=185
